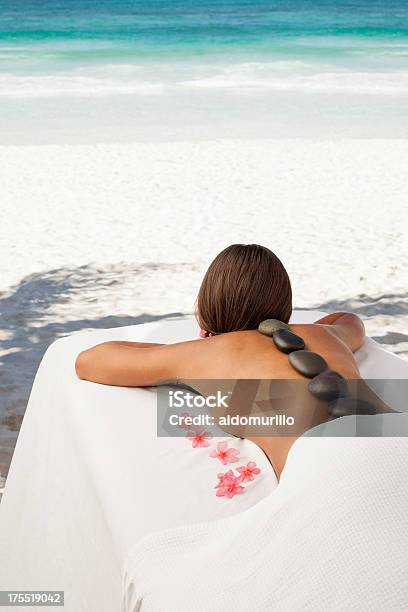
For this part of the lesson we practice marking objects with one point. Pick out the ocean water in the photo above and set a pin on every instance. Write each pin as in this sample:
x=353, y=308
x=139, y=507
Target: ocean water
x=135, y=69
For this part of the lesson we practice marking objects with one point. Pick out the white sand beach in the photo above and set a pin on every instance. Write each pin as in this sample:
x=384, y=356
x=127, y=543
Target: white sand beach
x=106, y=235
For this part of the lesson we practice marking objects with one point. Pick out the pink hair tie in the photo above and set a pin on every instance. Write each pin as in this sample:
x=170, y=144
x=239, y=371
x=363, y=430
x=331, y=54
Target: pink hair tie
x=205, y=334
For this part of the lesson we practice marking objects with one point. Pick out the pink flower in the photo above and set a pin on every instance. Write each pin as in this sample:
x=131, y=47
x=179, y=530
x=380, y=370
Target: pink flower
x=229, y=485
x=248, y=471
x=224, y=479
x=205, y=334
x=199, y=439
x=225, y=454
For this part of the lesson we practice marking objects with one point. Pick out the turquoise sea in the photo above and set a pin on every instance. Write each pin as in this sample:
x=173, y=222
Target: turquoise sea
x=80, y=70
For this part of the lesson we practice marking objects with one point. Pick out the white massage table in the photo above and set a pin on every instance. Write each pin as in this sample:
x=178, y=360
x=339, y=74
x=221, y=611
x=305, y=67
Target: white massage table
x=90, y=479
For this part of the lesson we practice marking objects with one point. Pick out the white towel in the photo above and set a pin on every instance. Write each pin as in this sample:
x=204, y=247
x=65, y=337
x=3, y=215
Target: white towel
x=332, y=536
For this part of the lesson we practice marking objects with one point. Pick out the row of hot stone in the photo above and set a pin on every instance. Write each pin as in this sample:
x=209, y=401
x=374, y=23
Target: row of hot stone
x=325, y=384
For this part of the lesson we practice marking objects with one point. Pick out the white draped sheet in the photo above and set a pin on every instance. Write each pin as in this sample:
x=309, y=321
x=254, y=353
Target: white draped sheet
x=331, y=536
x=90, y=479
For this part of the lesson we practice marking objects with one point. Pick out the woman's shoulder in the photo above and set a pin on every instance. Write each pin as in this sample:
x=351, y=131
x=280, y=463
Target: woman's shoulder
x=252, y=349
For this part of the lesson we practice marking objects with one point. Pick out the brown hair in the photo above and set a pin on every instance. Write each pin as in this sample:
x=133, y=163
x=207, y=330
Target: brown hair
x=244, y=285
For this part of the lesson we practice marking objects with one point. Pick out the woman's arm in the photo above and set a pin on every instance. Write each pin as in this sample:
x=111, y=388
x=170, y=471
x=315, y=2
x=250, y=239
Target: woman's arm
x=348, y=327
x=133, y=364
x=137, y=344
x=116, y=363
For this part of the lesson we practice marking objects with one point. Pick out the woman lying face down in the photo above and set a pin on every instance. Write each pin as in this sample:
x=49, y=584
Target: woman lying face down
x=244, y=286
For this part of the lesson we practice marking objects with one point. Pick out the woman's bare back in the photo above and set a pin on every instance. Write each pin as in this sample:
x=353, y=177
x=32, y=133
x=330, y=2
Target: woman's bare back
x=235, y=355
x=249, y=354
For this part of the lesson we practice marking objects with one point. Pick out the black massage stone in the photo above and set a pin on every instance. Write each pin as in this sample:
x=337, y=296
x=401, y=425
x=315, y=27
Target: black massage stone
x=328, y=386
x=286, y=341
x=269, y=326
x=348, y=406
x=307, y=363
